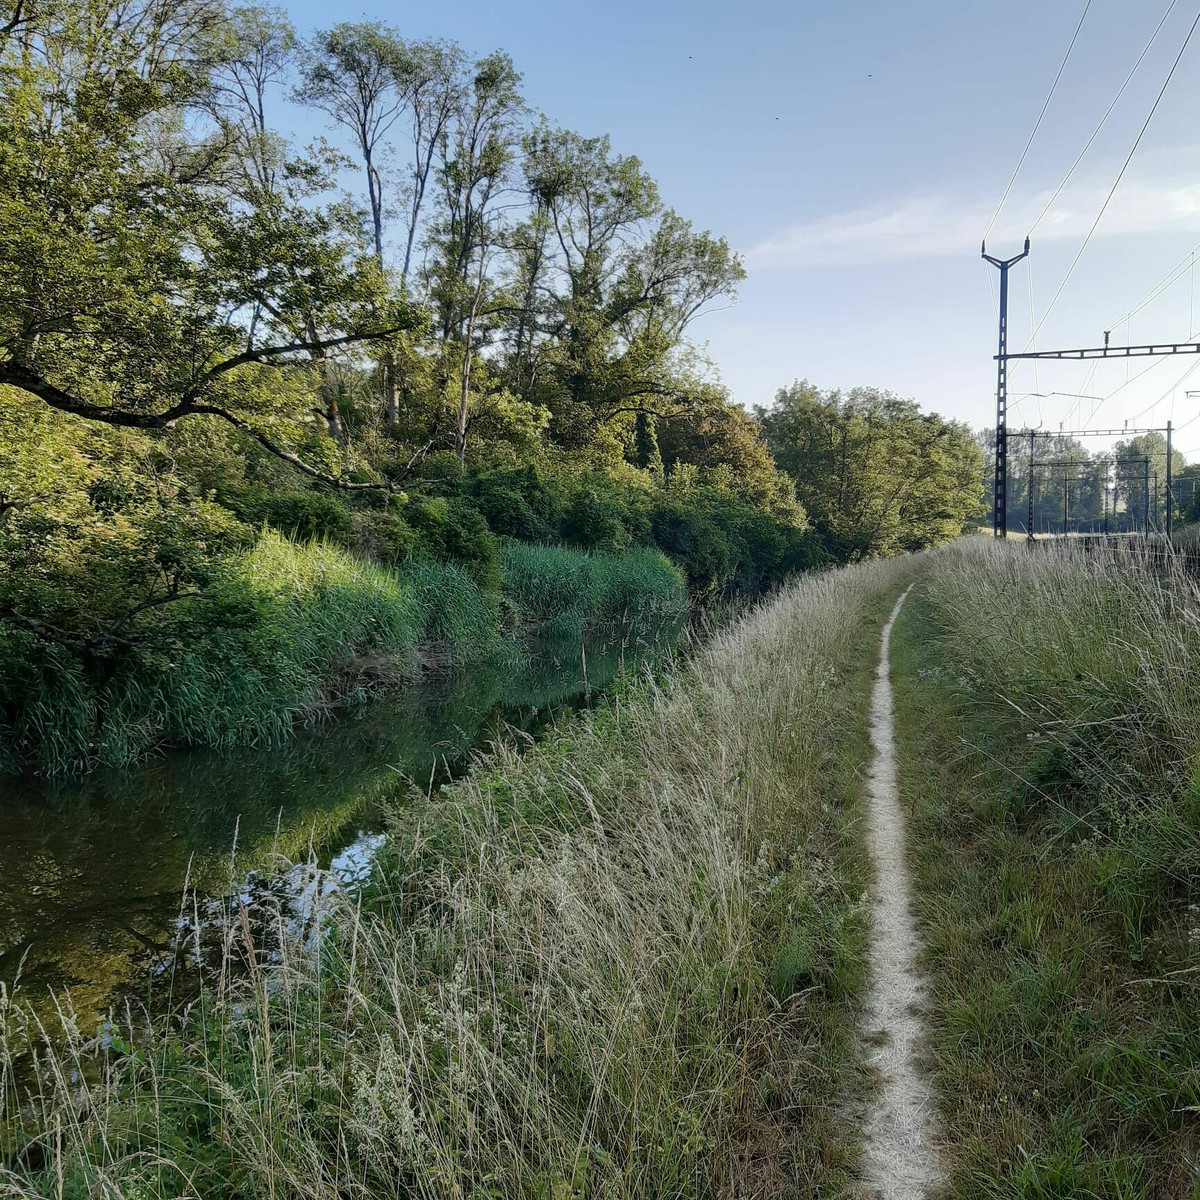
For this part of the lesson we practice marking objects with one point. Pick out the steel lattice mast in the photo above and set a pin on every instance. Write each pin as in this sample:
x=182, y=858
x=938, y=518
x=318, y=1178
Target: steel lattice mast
x=1000, y=488
x=1003, y=357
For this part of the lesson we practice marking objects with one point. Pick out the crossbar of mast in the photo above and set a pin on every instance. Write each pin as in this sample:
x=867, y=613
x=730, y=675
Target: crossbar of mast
x=1153, y=350
x=1074, y=433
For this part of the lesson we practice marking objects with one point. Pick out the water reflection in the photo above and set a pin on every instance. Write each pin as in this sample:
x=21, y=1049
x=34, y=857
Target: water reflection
x=103, y=880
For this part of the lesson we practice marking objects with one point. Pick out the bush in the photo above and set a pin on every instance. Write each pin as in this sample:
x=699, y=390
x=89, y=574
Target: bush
x=592, y=521
x=453, y=529
x=300, y=515
x=283, y=631
x=388, y=538
x=694, y=541
x=517, y=504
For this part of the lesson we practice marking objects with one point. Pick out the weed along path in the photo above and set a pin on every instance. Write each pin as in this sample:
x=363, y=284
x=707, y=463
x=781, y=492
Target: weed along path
x=900, y=1157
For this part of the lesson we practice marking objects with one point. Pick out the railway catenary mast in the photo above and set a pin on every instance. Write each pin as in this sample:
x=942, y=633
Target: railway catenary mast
x=1000, y=487
x=1003, y=358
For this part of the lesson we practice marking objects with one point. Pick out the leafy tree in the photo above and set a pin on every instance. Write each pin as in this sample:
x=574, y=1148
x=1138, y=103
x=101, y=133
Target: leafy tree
x=1135, y=479
x=128, y=265
x=354, y=73
x=874, y=473
x=260, y=54
x=438, y=84
x=723, y=439
x=611, y=281
x=476, y=157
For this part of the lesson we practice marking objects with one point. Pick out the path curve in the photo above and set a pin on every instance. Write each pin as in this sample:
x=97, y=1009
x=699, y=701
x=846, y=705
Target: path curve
x=900, y=1155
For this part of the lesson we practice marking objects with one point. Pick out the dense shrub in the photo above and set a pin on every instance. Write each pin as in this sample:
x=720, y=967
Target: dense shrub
x=387, y=538
x=593, y=521
x=693, y=540
x=300, y=514
x=282, y=631
x=453, y=530
x=517, y=504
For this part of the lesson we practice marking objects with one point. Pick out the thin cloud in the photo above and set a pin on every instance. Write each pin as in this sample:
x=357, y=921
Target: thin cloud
x=936, y=225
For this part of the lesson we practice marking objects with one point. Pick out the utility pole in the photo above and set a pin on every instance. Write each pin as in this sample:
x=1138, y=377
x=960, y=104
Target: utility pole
x=1104, y=485
x=1146, y=495
x=1000, y=487
x=1029, y=522
x=1170, y=498
x=1066, y=499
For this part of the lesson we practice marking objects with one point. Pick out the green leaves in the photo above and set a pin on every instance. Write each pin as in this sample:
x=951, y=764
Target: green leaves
x=875, y=474
x=146, y=272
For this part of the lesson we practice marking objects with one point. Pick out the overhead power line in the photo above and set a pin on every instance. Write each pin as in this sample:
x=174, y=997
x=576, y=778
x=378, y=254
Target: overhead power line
x=1104, y=119
x=1038, y=123
x=1120, y=175
x=1172, y=276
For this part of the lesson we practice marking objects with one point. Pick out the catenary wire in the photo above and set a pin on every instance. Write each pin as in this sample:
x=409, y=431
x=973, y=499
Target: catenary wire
x=1104, y=119
x=1038, y=123
x=1120, y=175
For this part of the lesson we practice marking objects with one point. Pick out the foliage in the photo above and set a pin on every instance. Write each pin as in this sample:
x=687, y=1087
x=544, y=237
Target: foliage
x=874, y=473
x=206, y=340
x=283, y=632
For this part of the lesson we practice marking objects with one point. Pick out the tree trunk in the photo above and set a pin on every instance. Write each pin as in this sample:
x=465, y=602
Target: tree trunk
x=329, y=394
x=460, y=430
x=391, y=390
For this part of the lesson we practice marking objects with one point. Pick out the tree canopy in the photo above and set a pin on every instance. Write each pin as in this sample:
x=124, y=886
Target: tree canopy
x=874, y=473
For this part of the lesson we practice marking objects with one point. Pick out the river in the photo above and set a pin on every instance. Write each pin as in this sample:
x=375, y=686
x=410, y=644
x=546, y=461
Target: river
x=109, y=884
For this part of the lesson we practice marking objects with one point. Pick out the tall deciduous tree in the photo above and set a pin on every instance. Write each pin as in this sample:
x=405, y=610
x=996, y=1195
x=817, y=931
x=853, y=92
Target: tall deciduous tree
x=477, y=153
x=354, y=73
x=127, y=262
x=874, y=473
x=612, y=281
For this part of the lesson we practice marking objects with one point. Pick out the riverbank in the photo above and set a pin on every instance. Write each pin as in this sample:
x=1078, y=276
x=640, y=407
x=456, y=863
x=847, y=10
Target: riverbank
x=116, y=886
x=628, y=963
x=285, y=631
x=1049, y=735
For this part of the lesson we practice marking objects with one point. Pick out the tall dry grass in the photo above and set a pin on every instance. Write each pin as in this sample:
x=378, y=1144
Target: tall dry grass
x=624, y=964
x=1050, y=738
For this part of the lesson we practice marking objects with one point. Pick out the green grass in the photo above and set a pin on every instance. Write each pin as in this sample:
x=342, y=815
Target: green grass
x=563, y=592
x=284, y=632
x=1049, y=724
x=626, y=964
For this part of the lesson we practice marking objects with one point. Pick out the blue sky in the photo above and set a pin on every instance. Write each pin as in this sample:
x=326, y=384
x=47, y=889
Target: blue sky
x=854, y=152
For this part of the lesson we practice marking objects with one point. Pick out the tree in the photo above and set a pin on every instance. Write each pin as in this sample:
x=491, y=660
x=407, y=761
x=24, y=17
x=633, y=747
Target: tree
x=727, y=443
x=127, y=261
x=476, y=157
x=1135, y=478
x=353, y=73
x=261, y=52
x=610, y=281
x=874, y=473
x=438, y=84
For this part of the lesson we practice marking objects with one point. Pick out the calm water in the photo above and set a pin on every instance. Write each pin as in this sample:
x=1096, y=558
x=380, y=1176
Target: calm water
x=108, y=883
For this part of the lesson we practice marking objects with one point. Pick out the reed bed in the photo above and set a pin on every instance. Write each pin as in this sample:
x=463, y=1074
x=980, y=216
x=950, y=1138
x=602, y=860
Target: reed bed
x=562, y=592
x=286, y=631
x=625, y=964
x=1050, y=722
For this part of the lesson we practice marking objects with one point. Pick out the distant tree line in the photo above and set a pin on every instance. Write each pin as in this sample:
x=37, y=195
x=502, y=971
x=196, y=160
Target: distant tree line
x=1081, y=488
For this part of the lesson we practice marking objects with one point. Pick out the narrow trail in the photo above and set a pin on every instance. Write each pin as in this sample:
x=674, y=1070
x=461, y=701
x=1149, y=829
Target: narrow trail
x=899, y=1132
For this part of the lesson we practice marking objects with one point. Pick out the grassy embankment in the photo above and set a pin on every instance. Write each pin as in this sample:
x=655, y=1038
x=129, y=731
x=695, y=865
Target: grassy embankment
x=1049, y=720
x=286, y=630
x=626, y=964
